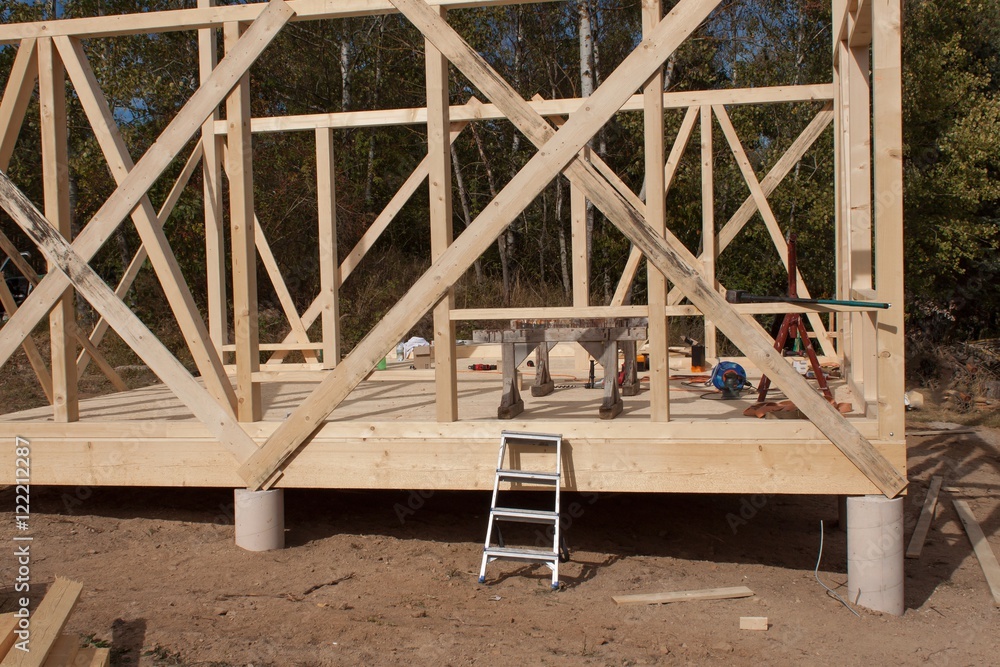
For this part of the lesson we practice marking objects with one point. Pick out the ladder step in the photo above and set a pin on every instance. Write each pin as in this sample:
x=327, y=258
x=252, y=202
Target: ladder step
x=521, y=554
x=526, y=516
x=524, y=475
x=542, y=439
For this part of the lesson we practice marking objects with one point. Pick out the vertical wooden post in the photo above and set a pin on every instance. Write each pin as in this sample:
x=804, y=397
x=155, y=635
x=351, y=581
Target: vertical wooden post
x=215, y=238
x=241, y=220
x=888, y=144
x=841, y=186
x=656, y=217
x=55, y=175
x=580, y=259
x=860, y=236
x=710, y=248
x=439, y=182
x=329, y=280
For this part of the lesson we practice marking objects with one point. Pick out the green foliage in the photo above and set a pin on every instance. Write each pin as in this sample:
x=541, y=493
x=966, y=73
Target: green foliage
x=951, y=112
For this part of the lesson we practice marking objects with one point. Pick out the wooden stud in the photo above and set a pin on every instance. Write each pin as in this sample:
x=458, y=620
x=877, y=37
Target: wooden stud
x=439, y=183
x=329, y=275
x=64, y=258
x=656, y=218
x=175, y=287
x=926, y=516
x=580, y=255
x=215, y=235
x=239, y=168
x=177, y=133
x=55, y=177
x=16, y=96
x=987, y=559
x=887, y=139
x=8, y=624
x=709, y=246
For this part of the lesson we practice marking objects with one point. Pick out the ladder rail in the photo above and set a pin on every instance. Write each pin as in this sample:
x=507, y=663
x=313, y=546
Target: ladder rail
x=509, y=440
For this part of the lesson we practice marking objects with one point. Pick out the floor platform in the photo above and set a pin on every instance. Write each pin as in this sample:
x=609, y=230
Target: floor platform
x=385, y=436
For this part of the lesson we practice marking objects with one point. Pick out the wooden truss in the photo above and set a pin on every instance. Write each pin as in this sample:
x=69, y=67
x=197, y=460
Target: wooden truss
x=230, y=411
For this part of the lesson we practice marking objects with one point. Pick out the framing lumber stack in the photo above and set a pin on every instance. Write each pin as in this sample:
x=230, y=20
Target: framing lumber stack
x=48, y=645
x=227, y=437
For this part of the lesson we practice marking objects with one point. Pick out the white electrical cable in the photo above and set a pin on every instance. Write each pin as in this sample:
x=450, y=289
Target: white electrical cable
x=829, y=590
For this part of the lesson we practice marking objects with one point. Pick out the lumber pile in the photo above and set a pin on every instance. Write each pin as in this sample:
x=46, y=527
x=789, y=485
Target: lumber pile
x=46, y=643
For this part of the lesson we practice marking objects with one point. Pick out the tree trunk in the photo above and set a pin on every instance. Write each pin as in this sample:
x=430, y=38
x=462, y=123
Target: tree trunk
x=370, y=170
x=563, y=253
x=502, y=239
x=463, y=197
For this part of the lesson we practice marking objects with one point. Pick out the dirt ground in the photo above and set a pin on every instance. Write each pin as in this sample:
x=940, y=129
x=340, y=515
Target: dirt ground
x=365, y=580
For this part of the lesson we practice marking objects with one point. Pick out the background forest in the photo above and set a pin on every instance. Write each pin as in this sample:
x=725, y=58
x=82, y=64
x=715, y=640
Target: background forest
x=951, y=132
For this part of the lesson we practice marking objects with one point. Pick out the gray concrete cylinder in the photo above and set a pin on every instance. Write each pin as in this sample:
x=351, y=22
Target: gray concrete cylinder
x=875, y=553
x=260, y=519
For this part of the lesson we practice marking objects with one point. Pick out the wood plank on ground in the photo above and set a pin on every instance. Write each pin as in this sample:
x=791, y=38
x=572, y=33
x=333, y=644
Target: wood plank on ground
x=64, y=652
x=987, y=559
x=7, y=626
x=683, y=596
x=47, y=623
x=926, y=516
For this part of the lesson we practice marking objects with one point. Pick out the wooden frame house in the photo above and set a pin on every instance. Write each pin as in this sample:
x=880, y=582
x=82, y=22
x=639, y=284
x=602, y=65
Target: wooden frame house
x=328, y=422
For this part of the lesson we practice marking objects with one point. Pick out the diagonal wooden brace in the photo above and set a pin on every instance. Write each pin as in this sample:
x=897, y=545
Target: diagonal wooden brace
x=159, y=156
x=261, y=469
x=131, y=329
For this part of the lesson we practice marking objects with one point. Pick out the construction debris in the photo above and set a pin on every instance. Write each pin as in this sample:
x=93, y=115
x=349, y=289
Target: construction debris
x=684, y=596
x=753, y=623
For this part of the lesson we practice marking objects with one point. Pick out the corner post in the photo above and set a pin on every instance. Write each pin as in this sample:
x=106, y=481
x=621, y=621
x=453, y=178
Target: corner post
x=888, y=179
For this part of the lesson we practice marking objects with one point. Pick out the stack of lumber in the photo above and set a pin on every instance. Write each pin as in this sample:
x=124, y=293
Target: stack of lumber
x=48, y=645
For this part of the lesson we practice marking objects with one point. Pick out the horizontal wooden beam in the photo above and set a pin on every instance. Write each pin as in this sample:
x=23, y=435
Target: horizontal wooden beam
x=213, y=17
x=568, y=312
x=475, y=110
x=668, y=457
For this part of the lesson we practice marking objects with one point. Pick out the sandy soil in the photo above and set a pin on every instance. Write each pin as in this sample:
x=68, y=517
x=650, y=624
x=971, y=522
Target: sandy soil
x=363, y=582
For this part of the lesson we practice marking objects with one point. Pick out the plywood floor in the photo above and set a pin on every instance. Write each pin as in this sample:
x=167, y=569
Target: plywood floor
x=404, y=395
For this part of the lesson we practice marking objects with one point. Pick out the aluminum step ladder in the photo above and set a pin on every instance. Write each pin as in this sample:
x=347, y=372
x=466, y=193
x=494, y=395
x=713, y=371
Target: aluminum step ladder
x=510, y=443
